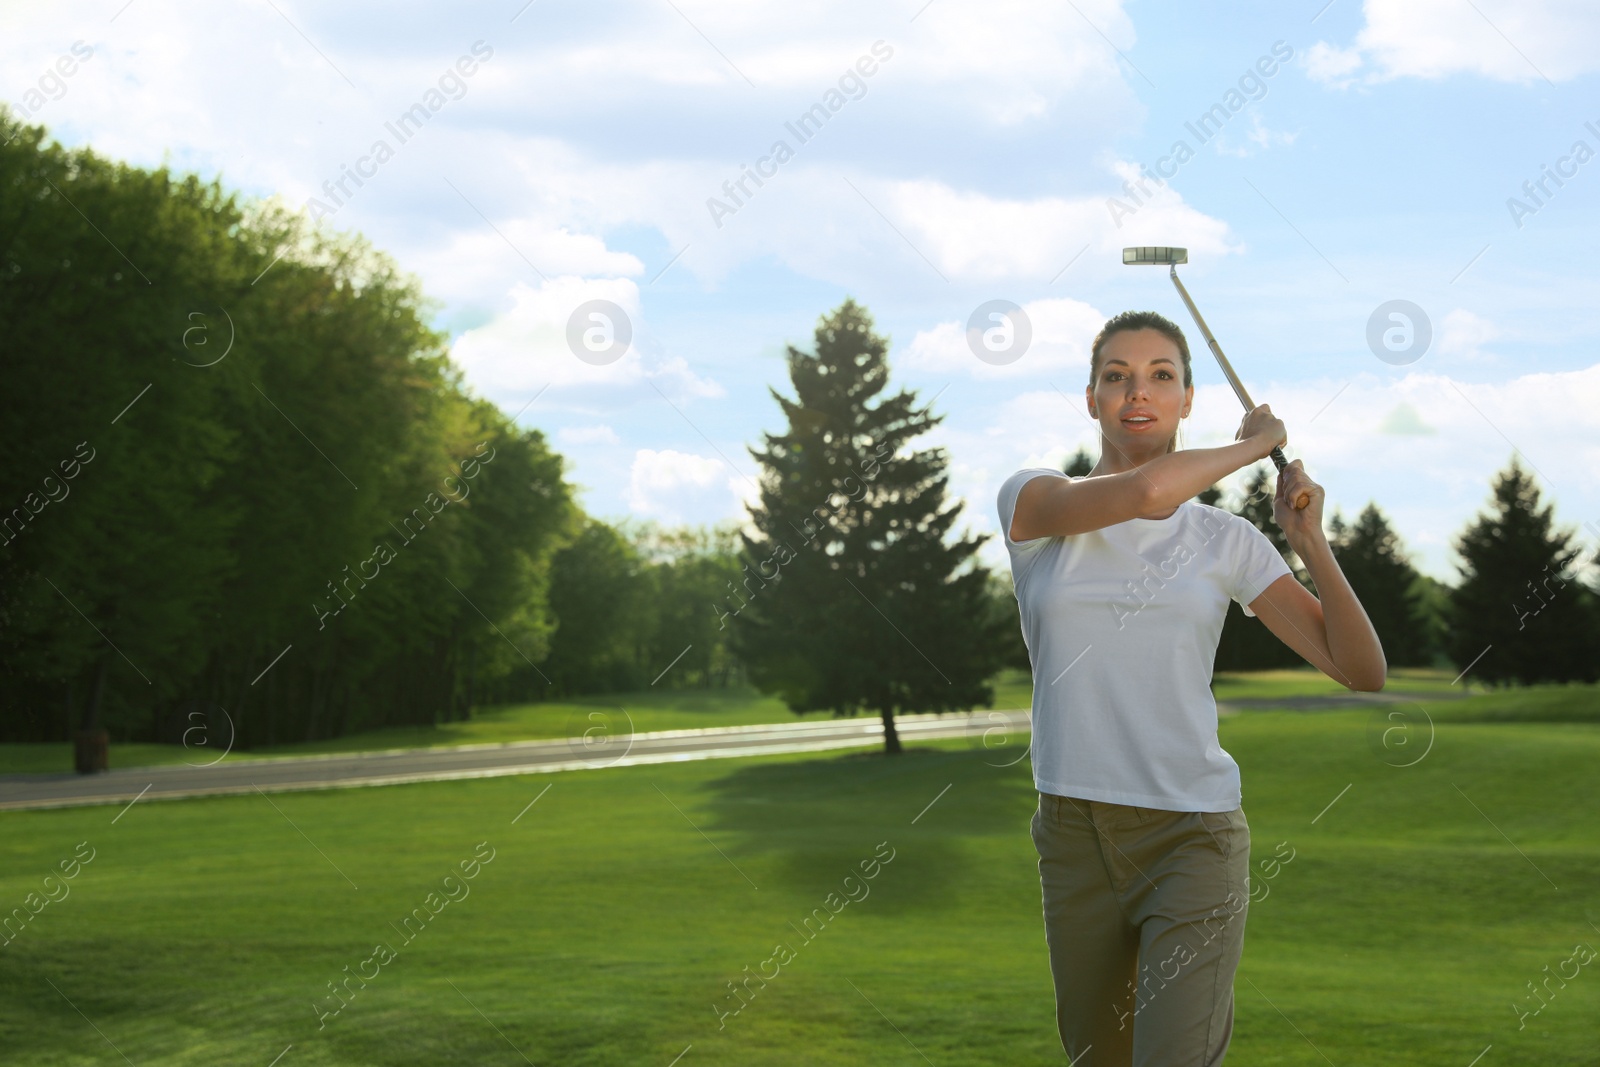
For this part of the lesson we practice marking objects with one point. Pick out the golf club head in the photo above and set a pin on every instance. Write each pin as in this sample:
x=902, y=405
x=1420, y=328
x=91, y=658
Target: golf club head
x=1154, y=256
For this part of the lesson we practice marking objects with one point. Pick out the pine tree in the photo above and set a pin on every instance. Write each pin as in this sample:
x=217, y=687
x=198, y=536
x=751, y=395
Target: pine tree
x=850, y=597
x=1372, y=558
x=1518, y=615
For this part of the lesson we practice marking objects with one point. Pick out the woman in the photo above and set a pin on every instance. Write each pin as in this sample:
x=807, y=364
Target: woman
x=1123, y=583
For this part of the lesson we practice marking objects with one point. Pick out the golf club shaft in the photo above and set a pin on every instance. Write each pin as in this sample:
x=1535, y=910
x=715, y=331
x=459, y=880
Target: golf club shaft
x=1233, y=379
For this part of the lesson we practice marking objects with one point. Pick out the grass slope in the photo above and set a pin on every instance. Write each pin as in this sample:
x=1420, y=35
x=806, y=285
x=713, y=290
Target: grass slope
x=1419, y=903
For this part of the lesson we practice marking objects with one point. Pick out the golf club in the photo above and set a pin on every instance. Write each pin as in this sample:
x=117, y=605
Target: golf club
x=1160, y=255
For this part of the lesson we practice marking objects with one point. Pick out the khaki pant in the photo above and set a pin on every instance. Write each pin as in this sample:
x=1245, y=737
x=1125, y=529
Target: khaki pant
x=1144, y=914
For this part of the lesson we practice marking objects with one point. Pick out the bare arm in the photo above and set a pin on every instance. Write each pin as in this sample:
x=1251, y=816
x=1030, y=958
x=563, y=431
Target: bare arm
x=1055, y=507
x=1333, y=633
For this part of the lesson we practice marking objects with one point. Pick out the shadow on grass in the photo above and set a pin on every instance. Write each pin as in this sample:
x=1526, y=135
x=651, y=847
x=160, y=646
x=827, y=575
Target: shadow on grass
x=816, y=819
x=1574, y=702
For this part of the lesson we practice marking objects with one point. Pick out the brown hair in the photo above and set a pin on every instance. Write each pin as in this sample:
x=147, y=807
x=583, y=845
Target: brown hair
x=1142, y=320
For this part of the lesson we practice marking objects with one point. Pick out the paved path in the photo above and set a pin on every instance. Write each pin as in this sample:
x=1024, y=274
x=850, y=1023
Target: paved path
x=123, y=786
x=999, y=732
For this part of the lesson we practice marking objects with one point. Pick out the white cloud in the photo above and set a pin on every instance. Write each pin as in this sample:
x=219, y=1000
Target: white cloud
x=526, y=349
x=249, y=96
x=472, y=266
x=971, y=236
x=676, y=486
x=1162, y=218
x=553, y=169
x=805, y=49
x=1503, y=40
x=1062, y=332
x=1331, y=65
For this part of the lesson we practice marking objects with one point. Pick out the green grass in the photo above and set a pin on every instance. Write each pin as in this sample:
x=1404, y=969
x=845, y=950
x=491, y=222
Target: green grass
x=668, y=709
x=617, y=714
x=650, y=710
x=605, y=928
x=1546, y=703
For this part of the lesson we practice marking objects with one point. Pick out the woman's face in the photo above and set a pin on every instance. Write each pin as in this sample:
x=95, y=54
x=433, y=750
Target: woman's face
x=1141, y=375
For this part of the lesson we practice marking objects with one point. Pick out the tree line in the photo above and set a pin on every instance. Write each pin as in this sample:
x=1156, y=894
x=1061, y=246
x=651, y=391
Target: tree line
x=242, y=485
x=241, y=474
x=1525, y=609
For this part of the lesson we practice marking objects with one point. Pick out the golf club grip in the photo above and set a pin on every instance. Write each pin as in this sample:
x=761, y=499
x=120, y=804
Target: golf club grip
x=1279, y=462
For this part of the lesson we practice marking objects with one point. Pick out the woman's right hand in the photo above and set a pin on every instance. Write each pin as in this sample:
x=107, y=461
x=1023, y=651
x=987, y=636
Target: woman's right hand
x=1263, y=427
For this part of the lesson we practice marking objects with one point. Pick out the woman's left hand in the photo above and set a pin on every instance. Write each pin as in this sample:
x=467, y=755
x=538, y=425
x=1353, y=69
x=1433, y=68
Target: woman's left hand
x=1297, y=524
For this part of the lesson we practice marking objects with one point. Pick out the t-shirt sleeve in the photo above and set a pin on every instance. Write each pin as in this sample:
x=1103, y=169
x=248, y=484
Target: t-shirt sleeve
x=1259, y=565
x=1010, y=489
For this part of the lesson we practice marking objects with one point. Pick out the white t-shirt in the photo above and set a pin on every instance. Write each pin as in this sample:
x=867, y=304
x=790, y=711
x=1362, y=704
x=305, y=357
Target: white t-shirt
x=1122, y=625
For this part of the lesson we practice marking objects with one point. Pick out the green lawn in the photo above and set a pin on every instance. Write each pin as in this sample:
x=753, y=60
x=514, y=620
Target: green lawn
x=1308, y=681
x=1415, y=911
x=618, y=713
x=652, y=709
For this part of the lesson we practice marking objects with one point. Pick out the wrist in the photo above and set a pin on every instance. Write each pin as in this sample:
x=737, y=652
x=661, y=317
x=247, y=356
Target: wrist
x=1311, y=542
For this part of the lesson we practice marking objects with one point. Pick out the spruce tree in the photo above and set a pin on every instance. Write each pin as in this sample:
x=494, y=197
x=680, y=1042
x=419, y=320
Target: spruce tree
x=1372, y=558
x=850, y=597
x=1519, y=614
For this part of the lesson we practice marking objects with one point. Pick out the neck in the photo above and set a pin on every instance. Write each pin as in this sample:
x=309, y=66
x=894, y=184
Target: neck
x=1115, y=461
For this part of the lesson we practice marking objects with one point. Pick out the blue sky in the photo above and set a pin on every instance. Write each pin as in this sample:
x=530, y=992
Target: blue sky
x=977, y=161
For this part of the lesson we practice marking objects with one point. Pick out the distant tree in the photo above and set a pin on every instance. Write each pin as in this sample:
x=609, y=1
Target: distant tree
x=599, y=598
x=694, y=568
x=1003, y=599
x=1521, y=614
x=219, y=419
x=1433, y=598
x=520, y=501
x=1257, y=507
x=1246, y=643
x=1372, y=558
x=851, y=597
